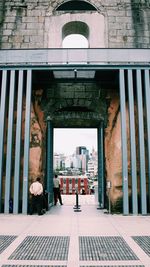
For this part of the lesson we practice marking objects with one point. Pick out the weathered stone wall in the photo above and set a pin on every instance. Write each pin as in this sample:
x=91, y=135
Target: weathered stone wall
x=113, y=152
x=37, y=138
x=37, y=145
x=26, y=24
x=113, y=165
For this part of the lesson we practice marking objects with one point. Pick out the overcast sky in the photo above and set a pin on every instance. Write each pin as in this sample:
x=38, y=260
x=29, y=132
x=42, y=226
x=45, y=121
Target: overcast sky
x=66, y=140
x=75, y=41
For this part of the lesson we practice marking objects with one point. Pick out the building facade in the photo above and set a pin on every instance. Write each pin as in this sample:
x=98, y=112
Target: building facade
x=105, y=86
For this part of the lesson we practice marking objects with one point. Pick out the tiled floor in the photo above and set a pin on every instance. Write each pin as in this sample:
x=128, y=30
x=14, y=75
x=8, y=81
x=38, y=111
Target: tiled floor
x=64, y=238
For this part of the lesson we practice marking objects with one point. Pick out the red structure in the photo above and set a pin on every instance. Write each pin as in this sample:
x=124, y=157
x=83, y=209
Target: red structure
x=69, y=185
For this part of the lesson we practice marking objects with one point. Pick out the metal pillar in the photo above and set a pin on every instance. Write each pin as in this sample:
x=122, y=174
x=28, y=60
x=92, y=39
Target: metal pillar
x=18, y=143
x=124, y=143
x=2, y=118
x=9, y=142
x=132, y=143
x=147, y=99
x=26, y=144
x=101, y=165
x=50, y=161
x=141, y=142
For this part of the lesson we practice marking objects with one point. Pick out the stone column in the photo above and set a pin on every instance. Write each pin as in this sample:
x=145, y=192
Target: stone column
x=101, y=165
x=27, y=143
x=50, y=160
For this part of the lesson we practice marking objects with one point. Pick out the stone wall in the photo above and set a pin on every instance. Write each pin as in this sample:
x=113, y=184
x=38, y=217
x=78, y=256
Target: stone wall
x=27, y=23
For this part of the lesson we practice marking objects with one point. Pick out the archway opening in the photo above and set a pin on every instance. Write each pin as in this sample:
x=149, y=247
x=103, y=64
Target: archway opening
x=75, y=35
x=75, y=161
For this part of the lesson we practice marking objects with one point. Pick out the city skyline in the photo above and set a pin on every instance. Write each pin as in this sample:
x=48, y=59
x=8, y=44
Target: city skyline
x=66, y=140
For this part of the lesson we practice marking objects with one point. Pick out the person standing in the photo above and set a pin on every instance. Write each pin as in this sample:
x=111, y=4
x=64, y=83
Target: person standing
x=56, y=190
x=36, y=190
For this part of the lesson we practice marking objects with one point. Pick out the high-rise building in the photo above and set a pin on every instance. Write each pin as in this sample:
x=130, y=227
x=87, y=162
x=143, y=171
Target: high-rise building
x=59, y=161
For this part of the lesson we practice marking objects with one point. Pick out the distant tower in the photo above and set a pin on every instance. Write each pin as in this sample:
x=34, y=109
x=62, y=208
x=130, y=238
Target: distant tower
x=83, y=154
x=81, y=150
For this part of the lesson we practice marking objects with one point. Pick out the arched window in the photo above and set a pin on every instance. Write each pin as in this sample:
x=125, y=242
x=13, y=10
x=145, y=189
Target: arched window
x=77, y=23
x=75, y=35
x=75, y=5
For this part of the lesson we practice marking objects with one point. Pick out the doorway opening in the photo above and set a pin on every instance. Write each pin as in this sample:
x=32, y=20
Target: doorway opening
x=76, y=161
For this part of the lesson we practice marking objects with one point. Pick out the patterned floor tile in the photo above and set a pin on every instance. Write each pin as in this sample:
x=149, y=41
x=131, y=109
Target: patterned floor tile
x=105, y=248
x=143, y=242
x=5, y=241
x=42, y=248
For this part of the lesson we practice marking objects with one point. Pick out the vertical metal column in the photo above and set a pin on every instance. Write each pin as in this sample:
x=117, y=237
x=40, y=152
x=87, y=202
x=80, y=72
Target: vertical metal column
x=26, y=143
x=101, y=165
x=18, y=143
x=50, y=161
x=147, y=99
x=9, y=142
x=2, y=117
x=141, y=142
x=124, y=143
x=132, y=143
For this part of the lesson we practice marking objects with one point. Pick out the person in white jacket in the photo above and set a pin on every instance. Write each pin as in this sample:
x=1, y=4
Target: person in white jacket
x=36, y=190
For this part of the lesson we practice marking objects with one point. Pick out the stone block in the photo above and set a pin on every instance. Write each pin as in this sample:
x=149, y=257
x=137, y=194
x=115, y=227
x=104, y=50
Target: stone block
x=129, y=26
x=7, y=32
x=25, y=45
x=29, y=32
x=6, y=45
x=41, y=19
x=113, y=32
x=36, y=13
x=123, y=20
x=30, y=19
x=10, y=26
x=129, y=13
x=34, y=39
x=26, y=39
x=10, y=19
x=32, y=26
x=4, y=38
x=111, y=13
x=16, y=45
x=112, y=19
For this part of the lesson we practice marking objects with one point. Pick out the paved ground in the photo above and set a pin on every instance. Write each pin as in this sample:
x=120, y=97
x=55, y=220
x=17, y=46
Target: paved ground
x=63, y=237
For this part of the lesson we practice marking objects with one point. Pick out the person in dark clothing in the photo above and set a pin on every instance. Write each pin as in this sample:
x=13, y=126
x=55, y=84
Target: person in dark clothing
x=36, y=190
x=56, y=190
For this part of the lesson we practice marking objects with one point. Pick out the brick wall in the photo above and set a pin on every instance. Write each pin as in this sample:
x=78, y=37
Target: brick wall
x=25, y=23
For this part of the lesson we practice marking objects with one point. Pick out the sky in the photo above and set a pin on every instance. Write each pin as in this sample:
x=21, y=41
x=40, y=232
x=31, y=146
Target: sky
x=75, y=41
x=66, y=140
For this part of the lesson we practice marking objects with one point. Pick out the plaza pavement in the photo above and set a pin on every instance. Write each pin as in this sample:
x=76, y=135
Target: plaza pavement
x=63, y=237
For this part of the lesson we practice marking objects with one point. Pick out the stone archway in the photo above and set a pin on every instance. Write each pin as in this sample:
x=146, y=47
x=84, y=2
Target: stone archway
x=85, y=104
